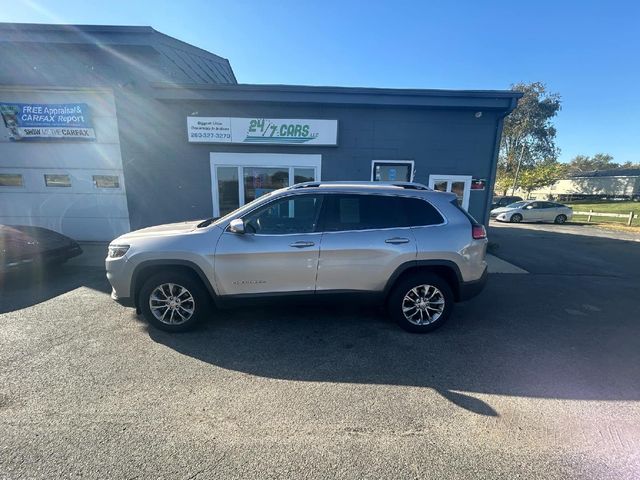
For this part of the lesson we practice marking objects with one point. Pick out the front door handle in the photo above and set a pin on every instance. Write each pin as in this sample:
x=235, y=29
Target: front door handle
x=301, y=244
x=396, y=240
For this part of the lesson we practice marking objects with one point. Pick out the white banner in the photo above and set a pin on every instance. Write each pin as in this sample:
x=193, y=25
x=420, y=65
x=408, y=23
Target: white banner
x=262, y=130
x=82, y=133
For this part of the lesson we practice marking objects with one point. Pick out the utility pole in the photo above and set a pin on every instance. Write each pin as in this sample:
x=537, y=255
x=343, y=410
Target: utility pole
x=515, y=179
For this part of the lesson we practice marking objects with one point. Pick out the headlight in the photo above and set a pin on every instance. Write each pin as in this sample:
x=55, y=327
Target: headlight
x=117, y=251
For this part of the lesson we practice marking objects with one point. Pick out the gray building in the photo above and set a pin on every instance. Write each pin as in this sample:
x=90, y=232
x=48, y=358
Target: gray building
x=107, y=129
x=618, y=183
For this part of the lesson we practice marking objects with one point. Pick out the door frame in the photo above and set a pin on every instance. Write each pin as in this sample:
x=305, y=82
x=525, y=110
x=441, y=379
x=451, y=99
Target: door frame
x=268, y=160
x=404, y=162
x=454, y=178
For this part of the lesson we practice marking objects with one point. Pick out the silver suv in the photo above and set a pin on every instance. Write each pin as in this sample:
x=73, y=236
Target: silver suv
x=400, y=243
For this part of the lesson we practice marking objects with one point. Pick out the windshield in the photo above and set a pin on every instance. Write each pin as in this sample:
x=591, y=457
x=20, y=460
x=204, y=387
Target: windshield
x=516, y=205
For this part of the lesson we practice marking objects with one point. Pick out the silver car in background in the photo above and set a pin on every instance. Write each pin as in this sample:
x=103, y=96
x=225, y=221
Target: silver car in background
x=533, y=211
x=412, y=248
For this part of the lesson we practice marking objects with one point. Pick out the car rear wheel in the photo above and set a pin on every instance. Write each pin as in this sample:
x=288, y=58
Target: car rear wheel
x=560, y=219
x=421, y=303
x=516, y=218
x=173, y=302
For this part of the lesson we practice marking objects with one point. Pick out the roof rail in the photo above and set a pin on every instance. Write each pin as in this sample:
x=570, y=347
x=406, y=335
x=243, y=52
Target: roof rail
x=405, y=185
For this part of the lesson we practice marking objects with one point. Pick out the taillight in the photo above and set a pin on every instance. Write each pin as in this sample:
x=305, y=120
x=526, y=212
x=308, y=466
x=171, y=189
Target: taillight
x=478, y=232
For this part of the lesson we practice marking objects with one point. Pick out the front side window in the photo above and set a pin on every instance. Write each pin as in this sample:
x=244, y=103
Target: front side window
x=55, y=180
x=11, y=180
x=368, y=212
x=290, y=215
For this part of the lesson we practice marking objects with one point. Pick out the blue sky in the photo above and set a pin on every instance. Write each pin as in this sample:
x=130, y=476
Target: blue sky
x=589, y=52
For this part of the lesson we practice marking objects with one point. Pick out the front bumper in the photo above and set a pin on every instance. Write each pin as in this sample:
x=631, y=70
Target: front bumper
x=124, y=301
x=469, y=290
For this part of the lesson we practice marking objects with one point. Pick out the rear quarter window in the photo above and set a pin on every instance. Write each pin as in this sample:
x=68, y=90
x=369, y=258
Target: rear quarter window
x=464, y=212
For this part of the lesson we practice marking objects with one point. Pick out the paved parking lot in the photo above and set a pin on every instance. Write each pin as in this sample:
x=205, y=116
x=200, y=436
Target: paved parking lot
x=536, y=378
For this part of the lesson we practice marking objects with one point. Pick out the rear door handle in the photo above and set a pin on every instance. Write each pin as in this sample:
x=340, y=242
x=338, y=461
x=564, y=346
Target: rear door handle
x=301, y=244
x=396, y=240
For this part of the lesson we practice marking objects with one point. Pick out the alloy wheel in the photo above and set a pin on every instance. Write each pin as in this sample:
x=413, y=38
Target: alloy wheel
x=171, y=304
x=423, y=305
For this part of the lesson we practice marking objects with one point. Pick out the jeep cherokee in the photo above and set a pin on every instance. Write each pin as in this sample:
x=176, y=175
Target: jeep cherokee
x=411, y=247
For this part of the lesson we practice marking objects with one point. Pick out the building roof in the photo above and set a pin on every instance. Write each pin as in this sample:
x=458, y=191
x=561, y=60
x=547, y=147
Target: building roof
x=502, y=100
x=103, y=55
x=34, y=54
x=615, y=172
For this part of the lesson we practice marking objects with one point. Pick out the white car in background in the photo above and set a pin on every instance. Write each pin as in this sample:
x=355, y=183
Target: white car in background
x=533, y=211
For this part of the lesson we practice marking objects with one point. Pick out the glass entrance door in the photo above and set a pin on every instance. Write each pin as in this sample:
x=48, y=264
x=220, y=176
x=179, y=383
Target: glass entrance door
x=458, y=184
x=239, y=178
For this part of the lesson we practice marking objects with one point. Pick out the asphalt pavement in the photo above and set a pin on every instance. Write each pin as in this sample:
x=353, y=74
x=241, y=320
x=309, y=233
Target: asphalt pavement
x=538, y=377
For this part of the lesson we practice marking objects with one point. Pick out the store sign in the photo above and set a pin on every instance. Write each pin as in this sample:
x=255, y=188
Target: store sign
x=59, y=121
x=281, y=131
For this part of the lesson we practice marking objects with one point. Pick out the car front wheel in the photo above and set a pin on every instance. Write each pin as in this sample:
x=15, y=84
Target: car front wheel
x=421, y=303
x=173, y=302
x=516, y=218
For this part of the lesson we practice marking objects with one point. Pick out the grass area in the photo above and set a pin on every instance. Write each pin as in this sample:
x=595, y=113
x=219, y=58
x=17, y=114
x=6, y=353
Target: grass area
x=623, y=207
x=605, y=206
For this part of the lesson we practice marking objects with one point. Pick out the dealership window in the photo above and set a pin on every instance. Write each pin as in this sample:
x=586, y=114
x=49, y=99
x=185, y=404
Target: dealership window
x=261, y=180
x=392, y=170
x=228, y=193
x=301, y=175
x=256, y=181
x=11, y=180
x=56, y=180
x=106, y=181
x=460, y=185
x=239, y=178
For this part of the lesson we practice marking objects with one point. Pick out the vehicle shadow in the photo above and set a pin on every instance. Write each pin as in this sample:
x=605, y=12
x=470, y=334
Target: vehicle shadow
x=504, y=342
x=27, y=287
x=558, y=334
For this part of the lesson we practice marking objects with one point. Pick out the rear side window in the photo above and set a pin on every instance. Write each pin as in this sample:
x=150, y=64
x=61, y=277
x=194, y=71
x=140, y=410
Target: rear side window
x=368, y=212
x=421, y=213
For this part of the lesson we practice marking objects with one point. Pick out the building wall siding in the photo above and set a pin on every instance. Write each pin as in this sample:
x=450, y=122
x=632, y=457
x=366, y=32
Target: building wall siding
x=81, y=211
x=169, y=179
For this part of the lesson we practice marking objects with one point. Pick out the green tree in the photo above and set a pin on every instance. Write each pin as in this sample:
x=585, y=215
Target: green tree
x=600, y=161
x=541, y=175
x=528, y=135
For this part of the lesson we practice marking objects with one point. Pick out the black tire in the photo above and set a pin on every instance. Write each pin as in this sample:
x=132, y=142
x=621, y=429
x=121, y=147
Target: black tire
x=560, y=219
x=201, y=300
x=515, y=218
x=402, y=289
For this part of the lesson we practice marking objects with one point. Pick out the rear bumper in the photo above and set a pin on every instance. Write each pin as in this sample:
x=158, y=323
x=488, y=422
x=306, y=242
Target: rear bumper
x=469, y=290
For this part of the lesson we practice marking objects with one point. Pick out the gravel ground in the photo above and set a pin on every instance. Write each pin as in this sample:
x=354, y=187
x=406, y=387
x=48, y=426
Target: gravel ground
x=536, y=378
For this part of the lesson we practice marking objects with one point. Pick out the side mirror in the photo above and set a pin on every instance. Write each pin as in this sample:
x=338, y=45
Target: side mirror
x=236, y=226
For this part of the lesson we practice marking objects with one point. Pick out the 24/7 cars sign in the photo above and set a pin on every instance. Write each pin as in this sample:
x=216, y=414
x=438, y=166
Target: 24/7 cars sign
x=262, y=130
x=59, y=121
